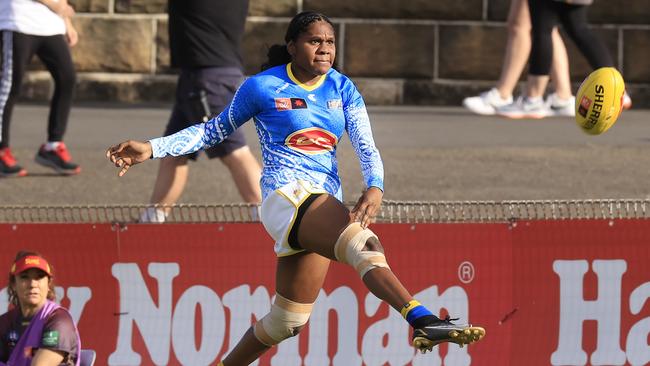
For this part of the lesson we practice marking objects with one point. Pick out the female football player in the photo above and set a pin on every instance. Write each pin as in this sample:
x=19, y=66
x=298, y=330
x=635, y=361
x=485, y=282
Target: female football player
x=301, y=107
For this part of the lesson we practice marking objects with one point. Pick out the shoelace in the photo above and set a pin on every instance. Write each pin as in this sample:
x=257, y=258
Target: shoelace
x=449, y=319
x=63, y=153
x=7, y=158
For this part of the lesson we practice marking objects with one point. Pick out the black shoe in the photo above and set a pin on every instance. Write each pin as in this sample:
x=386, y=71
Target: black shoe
x=439, y=331
x=58, y=159
x=8, y=165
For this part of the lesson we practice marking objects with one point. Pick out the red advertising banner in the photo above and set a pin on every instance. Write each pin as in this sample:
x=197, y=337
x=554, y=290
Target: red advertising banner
x=585, y=284
x=547, y=292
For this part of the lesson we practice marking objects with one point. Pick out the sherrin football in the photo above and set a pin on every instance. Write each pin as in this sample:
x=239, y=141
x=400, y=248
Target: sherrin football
x=599, y=100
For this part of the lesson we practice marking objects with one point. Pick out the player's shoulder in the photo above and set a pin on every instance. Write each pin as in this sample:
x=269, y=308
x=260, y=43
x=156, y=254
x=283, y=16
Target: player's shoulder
x=338, y=77
x=340, y=80
x=343, y=86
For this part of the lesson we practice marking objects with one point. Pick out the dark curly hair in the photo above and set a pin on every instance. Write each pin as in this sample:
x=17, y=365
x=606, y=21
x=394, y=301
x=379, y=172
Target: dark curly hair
x=278, y=54
x=11, y=291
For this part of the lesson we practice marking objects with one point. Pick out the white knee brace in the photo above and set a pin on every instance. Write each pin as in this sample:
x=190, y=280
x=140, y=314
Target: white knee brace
x=284, y=321
x=349, y=249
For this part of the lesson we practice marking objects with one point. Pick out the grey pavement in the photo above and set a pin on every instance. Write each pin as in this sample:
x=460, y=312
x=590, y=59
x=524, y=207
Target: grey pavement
x=430, y=154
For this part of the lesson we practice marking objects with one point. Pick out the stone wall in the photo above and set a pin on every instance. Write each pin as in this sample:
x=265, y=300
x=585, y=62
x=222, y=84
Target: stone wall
x=418, y=52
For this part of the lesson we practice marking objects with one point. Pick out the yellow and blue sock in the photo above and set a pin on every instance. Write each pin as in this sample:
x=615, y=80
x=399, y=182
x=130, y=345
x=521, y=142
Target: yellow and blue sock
x=417, y=314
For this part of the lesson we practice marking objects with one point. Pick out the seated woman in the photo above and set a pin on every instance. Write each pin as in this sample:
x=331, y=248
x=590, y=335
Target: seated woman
x=36, y=330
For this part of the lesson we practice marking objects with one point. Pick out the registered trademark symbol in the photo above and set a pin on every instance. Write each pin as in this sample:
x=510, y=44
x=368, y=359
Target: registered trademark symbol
x=466, y=272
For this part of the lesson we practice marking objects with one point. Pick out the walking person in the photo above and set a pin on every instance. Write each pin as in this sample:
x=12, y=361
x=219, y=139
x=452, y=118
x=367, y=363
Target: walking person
x=41, y=28
x=559, y=103
x=301, y=107
x=36, y=330
x=204, y=42
x=545, y=15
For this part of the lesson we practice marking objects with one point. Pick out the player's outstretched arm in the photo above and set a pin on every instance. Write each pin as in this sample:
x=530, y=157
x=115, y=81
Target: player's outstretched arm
x=129, y=153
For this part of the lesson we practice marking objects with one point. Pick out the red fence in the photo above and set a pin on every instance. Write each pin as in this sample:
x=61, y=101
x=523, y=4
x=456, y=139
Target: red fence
x=568, y=292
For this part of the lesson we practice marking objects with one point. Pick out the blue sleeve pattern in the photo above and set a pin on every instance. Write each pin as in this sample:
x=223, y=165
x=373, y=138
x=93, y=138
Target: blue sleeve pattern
x=203, y=135
x=358, y=128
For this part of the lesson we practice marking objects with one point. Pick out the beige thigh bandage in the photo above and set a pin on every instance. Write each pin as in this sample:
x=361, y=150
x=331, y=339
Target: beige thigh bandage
x=284, y=321
x=349, y=249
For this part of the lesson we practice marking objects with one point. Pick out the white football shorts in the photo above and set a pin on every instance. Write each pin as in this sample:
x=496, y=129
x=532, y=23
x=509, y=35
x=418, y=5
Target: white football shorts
x=280, y=210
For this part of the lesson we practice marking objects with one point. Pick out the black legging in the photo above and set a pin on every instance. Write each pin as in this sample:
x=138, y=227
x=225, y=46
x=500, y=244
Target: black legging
x=17, y=49
x=546, y=14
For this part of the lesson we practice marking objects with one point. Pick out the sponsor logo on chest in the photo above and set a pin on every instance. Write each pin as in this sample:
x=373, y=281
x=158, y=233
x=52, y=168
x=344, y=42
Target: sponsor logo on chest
x=312, y=140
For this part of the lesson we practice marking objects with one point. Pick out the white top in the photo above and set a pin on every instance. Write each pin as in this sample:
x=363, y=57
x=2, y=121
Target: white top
x=30, y=17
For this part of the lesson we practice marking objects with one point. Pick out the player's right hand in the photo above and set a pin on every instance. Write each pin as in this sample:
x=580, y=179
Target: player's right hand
x=129, y=153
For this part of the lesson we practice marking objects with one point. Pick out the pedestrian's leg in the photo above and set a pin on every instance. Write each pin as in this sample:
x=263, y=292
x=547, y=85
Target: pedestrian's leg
x=172, y=171
x=517, y=47
x=560, y=67
x=17, y=50
x=245, y=171
x=55, y=54
x=219, y=86
x=544, y=19
x=574, y=20
x=170, y=182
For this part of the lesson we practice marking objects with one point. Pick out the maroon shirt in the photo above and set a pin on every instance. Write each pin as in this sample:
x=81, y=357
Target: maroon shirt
x=58, y=334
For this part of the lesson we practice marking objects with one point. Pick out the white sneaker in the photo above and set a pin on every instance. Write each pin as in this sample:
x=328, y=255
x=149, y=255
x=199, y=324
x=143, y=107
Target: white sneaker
x=627, y=101
x=153, y=215
x=525, y=107
x=486, y=103
x=561, y=107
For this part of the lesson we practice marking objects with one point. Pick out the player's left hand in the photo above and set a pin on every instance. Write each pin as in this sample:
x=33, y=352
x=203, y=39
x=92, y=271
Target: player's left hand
x=367, y=206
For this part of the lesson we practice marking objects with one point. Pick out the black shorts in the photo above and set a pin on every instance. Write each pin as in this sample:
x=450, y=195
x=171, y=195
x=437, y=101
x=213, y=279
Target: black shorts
x=205, y=92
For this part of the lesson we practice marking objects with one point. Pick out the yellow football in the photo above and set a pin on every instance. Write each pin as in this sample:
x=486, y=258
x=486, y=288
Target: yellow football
x=599, y=100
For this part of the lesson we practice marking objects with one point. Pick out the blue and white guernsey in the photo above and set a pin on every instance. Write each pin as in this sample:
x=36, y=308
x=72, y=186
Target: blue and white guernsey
x=299, y=127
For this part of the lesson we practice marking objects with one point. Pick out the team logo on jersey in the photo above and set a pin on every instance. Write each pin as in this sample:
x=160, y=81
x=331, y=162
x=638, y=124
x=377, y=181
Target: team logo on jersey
x=335, y=104
x=312, y=140
x=285, y=104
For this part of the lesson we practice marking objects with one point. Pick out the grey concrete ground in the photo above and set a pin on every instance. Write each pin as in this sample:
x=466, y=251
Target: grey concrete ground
x=429, y=154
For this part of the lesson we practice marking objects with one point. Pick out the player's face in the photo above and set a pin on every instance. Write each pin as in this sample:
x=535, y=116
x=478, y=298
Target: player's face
x=313, y=52
x=31, y=288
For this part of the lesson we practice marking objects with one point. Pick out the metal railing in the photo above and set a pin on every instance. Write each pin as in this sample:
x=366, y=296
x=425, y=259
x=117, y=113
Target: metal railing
x=391, y=212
